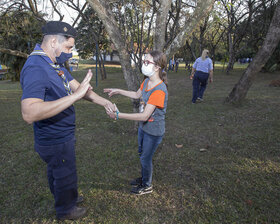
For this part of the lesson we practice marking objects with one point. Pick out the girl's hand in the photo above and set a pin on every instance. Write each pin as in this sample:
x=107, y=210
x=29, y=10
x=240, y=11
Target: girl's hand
x=116, y=109
x=111, y=91
x=112, y=114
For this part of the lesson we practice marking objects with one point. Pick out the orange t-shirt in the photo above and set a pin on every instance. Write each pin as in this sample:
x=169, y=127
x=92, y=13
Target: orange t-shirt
x=157, y=97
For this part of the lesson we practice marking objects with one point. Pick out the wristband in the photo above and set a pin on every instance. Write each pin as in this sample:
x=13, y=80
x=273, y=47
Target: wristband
x=117, y=115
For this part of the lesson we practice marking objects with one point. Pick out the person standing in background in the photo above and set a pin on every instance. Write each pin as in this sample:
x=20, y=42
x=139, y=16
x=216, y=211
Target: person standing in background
x=201, y=71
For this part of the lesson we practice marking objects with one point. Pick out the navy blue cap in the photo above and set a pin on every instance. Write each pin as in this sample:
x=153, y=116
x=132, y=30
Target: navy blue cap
x=59, y=28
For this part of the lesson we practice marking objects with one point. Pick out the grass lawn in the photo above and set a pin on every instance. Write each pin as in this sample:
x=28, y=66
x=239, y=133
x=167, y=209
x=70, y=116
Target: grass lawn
x=236, y=180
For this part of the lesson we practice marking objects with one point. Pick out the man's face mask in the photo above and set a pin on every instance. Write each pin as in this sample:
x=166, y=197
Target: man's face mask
x=63, y=57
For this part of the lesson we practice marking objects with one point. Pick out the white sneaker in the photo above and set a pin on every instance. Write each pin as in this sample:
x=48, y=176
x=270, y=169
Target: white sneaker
x=199, y=99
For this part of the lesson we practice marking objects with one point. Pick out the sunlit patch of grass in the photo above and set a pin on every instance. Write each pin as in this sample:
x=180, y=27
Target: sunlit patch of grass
x=234, y=180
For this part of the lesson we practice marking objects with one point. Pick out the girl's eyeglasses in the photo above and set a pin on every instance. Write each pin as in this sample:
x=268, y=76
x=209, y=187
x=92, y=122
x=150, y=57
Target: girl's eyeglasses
x=147, y=62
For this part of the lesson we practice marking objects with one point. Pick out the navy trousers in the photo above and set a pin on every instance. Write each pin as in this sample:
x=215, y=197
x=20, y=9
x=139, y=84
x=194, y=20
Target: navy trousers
x=199, y=84
x=147, y=145
x=62, y=175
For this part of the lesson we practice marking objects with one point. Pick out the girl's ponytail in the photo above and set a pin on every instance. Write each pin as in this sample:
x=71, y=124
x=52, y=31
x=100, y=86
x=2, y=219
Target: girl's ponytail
x=160, y=60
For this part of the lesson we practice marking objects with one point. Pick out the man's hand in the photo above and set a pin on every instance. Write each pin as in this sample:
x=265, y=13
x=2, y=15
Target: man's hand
x=113, y=113
x=84, y=86
x=109, y=107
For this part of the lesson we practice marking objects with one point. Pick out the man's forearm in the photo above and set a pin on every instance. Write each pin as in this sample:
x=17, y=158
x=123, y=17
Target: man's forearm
x=35, y=109
x=95, y=98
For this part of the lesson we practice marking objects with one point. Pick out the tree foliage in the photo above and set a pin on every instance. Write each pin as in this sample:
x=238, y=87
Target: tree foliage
x=20, y=31
x=91, y=31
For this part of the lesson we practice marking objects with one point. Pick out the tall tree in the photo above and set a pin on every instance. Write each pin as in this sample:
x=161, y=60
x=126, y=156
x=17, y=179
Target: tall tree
x=237, y=11
x=271, y=41
x=92, y=38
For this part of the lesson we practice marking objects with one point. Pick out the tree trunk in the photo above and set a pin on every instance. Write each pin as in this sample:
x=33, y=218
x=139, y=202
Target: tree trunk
x=231, y=54
x=203, y=28
x=191, y=50
x=213, y=50
x=107, y=17
x=271, y=41
x=101, y=67
x=231, y=62
x=162, y=13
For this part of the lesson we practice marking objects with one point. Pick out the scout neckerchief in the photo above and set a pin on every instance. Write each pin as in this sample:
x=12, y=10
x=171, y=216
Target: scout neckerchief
x=39, y=51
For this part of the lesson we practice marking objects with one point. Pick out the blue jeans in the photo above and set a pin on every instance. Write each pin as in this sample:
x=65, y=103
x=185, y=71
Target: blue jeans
x=147, y=145
x=62, y=176
x=199, y=84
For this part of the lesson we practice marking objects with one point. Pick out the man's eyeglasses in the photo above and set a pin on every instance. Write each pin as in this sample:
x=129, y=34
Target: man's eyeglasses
x=147, y=62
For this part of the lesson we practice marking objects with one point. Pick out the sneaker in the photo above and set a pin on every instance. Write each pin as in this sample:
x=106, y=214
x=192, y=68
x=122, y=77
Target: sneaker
x=80, y=199
x=76, y=213
x=140, y=189
x=199, y=99
x=137, y=181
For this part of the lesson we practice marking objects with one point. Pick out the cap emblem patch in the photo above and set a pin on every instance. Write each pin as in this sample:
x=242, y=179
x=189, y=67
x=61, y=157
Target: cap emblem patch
x=65, y=29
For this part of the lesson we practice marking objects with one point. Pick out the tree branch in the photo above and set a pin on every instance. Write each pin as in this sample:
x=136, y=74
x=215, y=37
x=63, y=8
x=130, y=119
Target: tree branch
x=202, y=10
x=14, y=52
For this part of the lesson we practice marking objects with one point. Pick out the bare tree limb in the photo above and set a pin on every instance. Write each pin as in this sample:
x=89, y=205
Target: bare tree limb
x=14, y=52
x=202, y=10
x=32, y=7
x=56, y=10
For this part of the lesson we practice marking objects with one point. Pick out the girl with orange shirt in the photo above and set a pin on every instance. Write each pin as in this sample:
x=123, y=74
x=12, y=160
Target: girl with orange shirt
x=153, y=97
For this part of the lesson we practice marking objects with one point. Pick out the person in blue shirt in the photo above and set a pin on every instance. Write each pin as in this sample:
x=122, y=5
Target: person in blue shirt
x=201, y=71
x=170, y=64
x=48, y=94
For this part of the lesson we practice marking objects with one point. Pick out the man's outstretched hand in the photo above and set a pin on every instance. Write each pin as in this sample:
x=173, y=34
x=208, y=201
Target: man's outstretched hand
x=84, y=86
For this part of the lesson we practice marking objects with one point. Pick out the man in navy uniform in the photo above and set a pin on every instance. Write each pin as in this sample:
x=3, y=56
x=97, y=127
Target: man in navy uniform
x=49, y=92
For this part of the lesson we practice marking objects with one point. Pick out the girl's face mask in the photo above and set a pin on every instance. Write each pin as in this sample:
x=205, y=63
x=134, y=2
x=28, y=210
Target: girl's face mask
x=148, y=68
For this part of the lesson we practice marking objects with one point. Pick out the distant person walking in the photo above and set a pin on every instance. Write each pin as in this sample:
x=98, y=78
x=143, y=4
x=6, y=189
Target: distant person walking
x=153, y=103
x=176, y=65
x=202, y=70
x=170, y=64
x=173, y=63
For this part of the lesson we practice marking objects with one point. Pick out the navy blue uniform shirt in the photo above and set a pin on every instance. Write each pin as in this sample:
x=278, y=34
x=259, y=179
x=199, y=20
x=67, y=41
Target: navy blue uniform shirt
x=40, y=80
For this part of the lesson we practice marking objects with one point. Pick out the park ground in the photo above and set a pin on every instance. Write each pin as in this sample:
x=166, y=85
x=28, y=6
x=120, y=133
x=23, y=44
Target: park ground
x=236, y=179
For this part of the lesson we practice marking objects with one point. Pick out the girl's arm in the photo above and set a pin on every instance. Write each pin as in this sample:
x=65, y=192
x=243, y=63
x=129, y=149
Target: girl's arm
x=130, y=94
x=149, y=109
